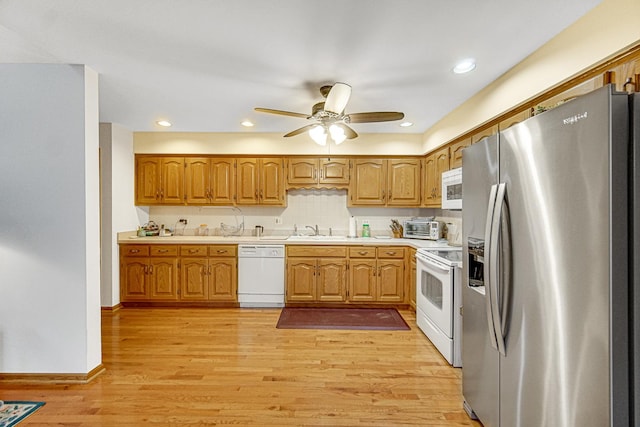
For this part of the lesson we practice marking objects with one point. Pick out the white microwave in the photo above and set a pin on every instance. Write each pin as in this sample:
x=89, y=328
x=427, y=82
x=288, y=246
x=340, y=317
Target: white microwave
x=452, y=189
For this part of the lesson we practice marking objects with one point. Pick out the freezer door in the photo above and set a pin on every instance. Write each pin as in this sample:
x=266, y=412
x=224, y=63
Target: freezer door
x=479, y=359
x=568, y=223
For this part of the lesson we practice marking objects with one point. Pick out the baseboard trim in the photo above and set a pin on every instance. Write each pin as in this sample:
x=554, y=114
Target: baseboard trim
x=53, y=378
x=112, y=309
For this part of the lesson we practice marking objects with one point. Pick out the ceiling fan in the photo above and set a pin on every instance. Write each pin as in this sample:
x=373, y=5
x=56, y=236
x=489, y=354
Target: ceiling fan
x=329, y=116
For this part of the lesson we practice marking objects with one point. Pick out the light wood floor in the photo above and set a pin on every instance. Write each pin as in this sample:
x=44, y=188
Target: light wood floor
x=232, y=366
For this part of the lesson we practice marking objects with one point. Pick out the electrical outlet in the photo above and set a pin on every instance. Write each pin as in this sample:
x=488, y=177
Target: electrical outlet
x=278, y=220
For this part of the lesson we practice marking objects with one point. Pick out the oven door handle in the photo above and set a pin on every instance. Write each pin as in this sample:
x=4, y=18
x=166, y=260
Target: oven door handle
x=432, y=263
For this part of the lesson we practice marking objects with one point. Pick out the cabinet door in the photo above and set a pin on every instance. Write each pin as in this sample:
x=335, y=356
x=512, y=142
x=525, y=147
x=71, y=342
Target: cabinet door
x=163, y=279
x=404, y=182
x=368, y=182
x=331, y=280
x=442, y=165
x=194, y=279
x=429, y=192
x=301, y=278
x=272, y=182
x=334, y=171
x=302, y=172
x=222, y=280
x=412, y=278
x=133, y=279
x=148, y=171
x=197, y=181
x=625, y=77
x=247, y=176
x=172, y=189
x=455, y=150
x=362, y=279
x=390, y=283
x=223, y=181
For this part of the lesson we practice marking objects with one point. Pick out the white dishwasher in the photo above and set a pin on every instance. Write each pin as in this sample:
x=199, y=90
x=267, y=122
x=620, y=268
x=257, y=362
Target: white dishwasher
x=261, y=275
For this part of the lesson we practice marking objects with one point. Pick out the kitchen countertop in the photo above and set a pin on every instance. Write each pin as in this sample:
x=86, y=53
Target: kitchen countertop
x=129, y=237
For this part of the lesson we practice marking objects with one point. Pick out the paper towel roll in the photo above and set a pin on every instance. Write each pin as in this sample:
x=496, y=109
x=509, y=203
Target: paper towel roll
x=352, y=227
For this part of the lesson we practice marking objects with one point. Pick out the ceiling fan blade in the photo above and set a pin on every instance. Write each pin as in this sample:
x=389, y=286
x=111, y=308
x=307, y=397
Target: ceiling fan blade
x=350, y=133
x=337, y=98
x=378, y=116
x=282, y=113
x=303, y=129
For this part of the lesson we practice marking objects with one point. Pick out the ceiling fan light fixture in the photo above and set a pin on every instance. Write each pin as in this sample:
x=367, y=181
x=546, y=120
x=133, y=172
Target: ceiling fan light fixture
x=337, y=134
x=318, y=134
x=337, y=98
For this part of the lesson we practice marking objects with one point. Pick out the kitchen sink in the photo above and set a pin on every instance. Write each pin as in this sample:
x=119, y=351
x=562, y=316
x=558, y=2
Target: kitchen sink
x=318, y=238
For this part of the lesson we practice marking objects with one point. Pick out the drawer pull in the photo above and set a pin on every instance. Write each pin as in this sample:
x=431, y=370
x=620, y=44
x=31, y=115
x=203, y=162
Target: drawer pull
x=390, y=252
x=193, y=251
x=221, y=251
x=134, y=251
x=162, y=251
x=363, y=252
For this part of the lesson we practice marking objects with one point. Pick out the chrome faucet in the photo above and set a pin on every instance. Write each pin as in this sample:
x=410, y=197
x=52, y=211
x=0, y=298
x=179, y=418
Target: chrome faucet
x=316, y=232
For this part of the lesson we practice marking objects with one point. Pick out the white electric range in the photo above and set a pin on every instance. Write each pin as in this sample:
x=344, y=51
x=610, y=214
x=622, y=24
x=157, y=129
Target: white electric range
x=439, y=299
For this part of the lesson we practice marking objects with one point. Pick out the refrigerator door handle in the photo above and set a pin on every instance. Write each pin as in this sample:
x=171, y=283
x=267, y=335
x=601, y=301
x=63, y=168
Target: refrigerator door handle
x=487, y=265
x=494, y=265
x=505, y=271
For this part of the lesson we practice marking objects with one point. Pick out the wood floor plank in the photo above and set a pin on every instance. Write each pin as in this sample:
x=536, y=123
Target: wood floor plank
x=200, y=366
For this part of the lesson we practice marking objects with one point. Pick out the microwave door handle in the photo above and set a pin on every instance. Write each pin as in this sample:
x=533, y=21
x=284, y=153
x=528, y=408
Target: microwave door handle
x=494, y=262
x=487, y=266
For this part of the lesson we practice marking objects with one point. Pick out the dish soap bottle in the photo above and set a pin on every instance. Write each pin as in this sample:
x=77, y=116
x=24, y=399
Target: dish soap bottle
x=365, y=229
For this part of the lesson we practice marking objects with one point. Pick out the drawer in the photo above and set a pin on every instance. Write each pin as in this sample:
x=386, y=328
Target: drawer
x=193, y=250
x=164, y=250
x=317, y=251
x=223, y=250
x=362, y=252
x=134, y=250
x=390, y=252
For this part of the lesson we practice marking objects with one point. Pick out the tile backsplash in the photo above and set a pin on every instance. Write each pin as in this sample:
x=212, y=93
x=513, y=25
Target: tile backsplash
x=325, y=208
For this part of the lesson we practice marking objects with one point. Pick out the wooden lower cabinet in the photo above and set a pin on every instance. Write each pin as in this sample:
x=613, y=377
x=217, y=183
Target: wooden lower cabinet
x=412, y=278
x=376, y=274
x=149, y=273
x=165, y=273
x=345, y=274
x=316, y=274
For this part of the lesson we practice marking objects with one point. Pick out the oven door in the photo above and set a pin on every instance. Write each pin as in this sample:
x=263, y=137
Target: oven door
x=435, y=293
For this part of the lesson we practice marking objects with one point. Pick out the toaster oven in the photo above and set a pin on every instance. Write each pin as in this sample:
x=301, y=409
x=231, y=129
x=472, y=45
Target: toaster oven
x=421, y=228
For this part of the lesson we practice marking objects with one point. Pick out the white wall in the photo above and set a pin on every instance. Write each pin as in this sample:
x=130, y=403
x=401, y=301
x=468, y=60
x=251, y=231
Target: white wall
x=117, y=210
x=611, y=27
x=270, y=143
x=49, y=235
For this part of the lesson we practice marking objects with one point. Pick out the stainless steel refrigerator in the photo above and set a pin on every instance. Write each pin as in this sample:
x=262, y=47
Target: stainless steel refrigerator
x=548, y=273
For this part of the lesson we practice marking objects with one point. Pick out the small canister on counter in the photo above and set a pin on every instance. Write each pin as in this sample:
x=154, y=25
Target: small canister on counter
x=366, y=232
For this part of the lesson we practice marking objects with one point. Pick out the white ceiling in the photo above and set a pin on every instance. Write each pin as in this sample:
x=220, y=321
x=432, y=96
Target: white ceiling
x=204, y=64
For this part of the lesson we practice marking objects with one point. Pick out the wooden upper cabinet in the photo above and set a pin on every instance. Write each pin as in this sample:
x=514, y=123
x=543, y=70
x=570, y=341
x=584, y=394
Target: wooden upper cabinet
x=210, y=181
x=404, y=182
x=625, y=77
x=455, y=152
x=481, y=134
x=435, y=163
x=514, y=119
x=368, y=182
x=271, y=183
x=159, y=180
x=317, y=172
x=260, y=181
x=385, y=182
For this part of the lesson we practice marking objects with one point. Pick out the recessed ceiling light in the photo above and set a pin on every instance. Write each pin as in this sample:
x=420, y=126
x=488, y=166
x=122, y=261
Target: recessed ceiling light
x=164, y=123
x=406, y=124
x=247, y=123
x=464, y=66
